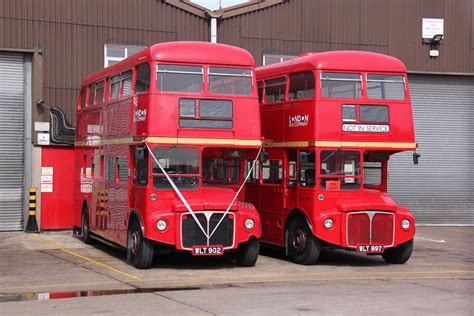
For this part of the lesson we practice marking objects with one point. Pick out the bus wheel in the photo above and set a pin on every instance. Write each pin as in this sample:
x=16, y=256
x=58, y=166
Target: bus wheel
x=139, y=249
x=303, y=247
x=85, y=229
x=248, y=253
x=399, y=254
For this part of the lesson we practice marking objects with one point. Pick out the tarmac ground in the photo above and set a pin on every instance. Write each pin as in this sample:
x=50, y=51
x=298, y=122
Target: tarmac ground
x=56, y=273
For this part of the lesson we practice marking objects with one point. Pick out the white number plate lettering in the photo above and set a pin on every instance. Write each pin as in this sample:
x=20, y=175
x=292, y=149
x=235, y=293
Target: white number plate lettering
x=370, y=248
x=208, y=250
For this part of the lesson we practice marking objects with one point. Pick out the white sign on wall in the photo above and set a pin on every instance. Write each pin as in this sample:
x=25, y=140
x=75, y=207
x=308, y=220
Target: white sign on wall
x=43, y=138
x=432, y=27
x=42, y=126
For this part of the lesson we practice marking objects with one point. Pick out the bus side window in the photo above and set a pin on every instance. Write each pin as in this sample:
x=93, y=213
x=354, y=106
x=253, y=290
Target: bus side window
x=141, y=166
x=122, y=165
x=307, y=168
x=292, y=178
x=301, y=85
x=272, y=171
x=111, y=168
x=96, y=165
x=254, y=176
x=260, y=91
x=275, y=90
x=91, y=94
x=127, y=83
x=142, y=83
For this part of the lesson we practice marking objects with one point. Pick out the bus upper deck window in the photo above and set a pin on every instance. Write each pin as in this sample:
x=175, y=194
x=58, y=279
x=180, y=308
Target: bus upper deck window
x=127, y=83
x=301, y=86
x=385, y=87
x=275, y=90
x=179, y=78
x=114, y=87
x=91, y=94
x=230, y=80
x=341, y=85
x=143, y=78
x=99, y=92
x=260, y=91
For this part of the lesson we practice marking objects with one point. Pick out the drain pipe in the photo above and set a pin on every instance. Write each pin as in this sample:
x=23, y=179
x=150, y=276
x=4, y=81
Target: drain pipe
x=213, y=16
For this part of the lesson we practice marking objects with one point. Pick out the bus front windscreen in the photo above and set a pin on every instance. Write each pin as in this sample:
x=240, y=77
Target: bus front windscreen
x=340, y=170
x=230, y=80
x=181, y=165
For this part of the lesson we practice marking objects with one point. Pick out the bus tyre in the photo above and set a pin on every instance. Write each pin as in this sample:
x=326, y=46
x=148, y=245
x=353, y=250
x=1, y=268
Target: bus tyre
x=399, y=254
x=85, y=228
x=139, y=249
x=248, y=253
x=303, y=247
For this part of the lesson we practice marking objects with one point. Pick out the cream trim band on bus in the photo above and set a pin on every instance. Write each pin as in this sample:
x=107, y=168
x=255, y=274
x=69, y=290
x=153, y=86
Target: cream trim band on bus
x=339, y=144
x=171, y=140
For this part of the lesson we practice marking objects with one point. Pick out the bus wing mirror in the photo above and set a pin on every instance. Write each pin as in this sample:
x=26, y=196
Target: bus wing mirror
x=415, y=157
x=139, y=153
x=264, y=156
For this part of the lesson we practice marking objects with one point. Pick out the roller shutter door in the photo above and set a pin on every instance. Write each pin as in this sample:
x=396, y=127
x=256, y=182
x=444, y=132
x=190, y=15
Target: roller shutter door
x=12, y=108
x=440, y=190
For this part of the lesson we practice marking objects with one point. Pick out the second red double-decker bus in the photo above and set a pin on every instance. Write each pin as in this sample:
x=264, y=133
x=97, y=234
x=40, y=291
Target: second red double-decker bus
x=332, y=121
x=160, y=149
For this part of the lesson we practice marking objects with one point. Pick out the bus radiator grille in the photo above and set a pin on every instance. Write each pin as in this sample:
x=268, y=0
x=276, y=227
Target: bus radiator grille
x=370, y=228
x=192, y=235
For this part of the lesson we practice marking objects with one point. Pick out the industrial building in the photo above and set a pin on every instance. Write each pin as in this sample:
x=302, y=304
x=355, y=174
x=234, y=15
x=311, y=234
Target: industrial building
x=47, y=47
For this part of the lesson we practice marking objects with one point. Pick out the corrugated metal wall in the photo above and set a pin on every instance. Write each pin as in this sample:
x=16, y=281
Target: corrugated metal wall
x=71, y=35
x=391, y=27
x=12, y=122
x=440, y=190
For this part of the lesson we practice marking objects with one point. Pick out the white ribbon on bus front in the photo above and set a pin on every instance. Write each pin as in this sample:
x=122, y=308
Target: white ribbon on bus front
x=238, y=191
x=188, y=207
x=187, y=204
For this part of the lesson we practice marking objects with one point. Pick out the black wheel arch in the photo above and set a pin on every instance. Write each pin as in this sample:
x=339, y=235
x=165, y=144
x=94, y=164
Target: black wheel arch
x=135, y=216
x=295, y=213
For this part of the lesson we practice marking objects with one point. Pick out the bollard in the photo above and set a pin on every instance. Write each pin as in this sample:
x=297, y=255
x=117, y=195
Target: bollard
x=32, y=224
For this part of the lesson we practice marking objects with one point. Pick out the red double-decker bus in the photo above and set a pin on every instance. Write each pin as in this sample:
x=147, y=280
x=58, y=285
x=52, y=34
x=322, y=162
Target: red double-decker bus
x=161, y=143
x=331, y=122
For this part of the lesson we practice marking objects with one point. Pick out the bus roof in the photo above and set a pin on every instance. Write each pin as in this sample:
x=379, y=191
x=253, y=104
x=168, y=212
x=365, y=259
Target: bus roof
x=180, y=52
x=337, y=61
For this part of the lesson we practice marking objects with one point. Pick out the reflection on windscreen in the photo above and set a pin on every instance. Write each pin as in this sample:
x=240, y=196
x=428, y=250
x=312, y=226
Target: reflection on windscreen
x=179, y=78
x=230, y=80
x=340, y=170
x=181, y=164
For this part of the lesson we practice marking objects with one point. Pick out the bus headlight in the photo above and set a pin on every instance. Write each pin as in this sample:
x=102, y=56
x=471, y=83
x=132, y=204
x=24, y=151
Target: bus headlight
x=406, y=224
x=328, y=223
x=161, y=225
x=249, y=223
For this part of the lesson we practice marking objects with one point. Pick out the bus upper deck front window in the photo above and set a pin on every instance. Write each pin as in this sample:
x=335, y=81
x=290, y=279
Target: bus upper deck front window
x=385, y=87
x=341, y=85
x=177, y=78
x=340, y=170
x=181, y=164
x=230, y=80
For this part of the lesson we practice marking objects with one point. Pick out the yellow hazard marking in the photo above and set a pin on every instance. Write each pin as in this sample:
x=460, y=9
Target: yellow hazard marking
x=32, y=205
x=32, y=197
x=86, y=258
x=32, y=190
x=31, y=212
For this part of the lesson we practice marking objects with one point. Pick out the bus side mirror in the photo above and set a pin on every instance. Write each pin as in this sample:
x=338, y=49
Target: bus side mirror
x=415, y=157
x=139, y=153
x=264, y=156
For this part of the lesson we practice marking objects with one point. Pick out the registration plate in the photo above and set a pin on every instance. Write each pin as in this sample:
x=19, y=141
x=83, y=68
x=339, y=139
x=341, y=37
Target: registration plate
x=369, y=248
x=208, y=250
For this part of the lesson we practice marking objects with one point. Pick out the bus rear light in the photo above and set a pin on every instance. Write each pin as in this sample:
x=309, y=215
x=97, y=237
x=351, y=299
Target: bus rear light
x=161, y=225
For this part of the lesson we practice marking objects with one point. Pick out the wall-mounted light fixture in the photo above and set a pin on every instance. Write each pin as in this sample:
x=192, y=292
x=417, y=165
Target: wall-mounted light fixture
x=434, y=43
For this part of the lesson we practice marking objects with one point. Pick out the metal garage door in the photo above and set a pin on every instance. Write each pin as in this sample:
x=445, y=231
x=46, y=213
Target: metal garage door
x=440, y=190
x=12, y=108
